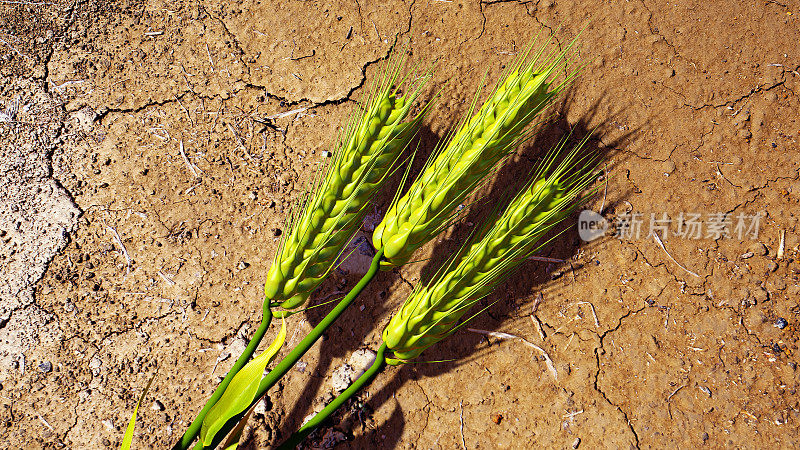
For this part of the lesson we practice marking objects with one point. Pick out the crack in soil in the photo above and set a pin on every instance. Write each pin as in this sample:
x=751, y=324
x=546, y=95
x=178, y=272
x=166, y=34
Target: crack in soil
x=599, y=369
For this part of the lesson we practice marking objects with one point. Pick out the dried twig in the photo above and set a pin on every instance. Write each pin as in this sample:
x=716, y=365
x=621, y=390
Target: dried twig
x=222, y=357
x=165, y=278
x=539, y=327
x=594, y=313
x=153, y=132
x=60, y=87
x=500, y=335
x=13, y=48
x=781, y=245
x=536, y=301
x=191, y=166
x=572, y=414
x=571, y=337
x=322, y=300
x=191, y=121
x=41, y=419
x=544, y=259
x=675, y=392
x=241, y=142
x=122, y=249
x=192, y=188
x=661, y=244
x=208, y=51
x=285, y=114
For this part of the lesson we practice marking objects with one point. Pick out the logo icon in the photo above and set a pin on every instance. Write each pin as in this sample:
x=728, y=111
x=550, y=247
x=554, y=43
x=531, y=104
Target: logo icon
x=591, y=225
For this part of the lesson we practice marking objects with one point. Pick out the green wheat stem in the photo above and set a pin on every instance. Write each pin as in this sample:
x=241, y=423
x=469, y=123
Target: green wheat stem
x=366, y=153
x=293, y=356
x=297, y=437
x=431, y=313
x=194, y=428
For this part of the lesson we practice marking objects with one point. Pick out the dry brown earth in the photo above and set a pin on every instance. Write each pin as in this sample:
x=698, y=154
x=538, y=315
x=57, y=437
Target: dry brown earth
x=121, y=254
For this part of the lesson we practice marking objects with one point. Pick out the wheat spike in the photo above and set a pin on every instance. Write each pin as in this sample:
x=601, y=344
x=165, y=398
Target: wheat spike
x=432, y=312
x=469, y=156
x=366, y=154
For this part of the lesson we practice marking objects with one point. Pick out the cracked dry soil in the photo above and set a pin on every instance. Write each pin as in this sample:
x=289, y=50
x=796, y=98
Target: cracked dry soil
x=123, y=252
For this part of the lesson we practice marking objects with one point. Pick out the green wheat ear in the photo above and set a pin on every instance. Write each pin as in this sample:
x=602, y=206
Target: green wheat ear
x=367, y=152
x=432, y=312
x=470, y=155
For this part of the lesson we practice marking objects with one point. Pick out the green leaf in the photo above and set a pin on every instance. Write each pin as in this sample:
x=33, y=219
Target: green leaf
x=127, y=440
x=241, y=391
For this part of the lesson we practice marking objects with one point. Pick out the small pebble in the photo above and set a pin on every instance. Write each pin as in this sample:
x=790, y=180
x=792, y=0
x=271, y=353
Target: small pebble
x=781, y=323
x=157, y=406
x=747, y=255
x=46, y=366
x=108, y=424
x=576, y=443
x=325, y=154
x=497, y=418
